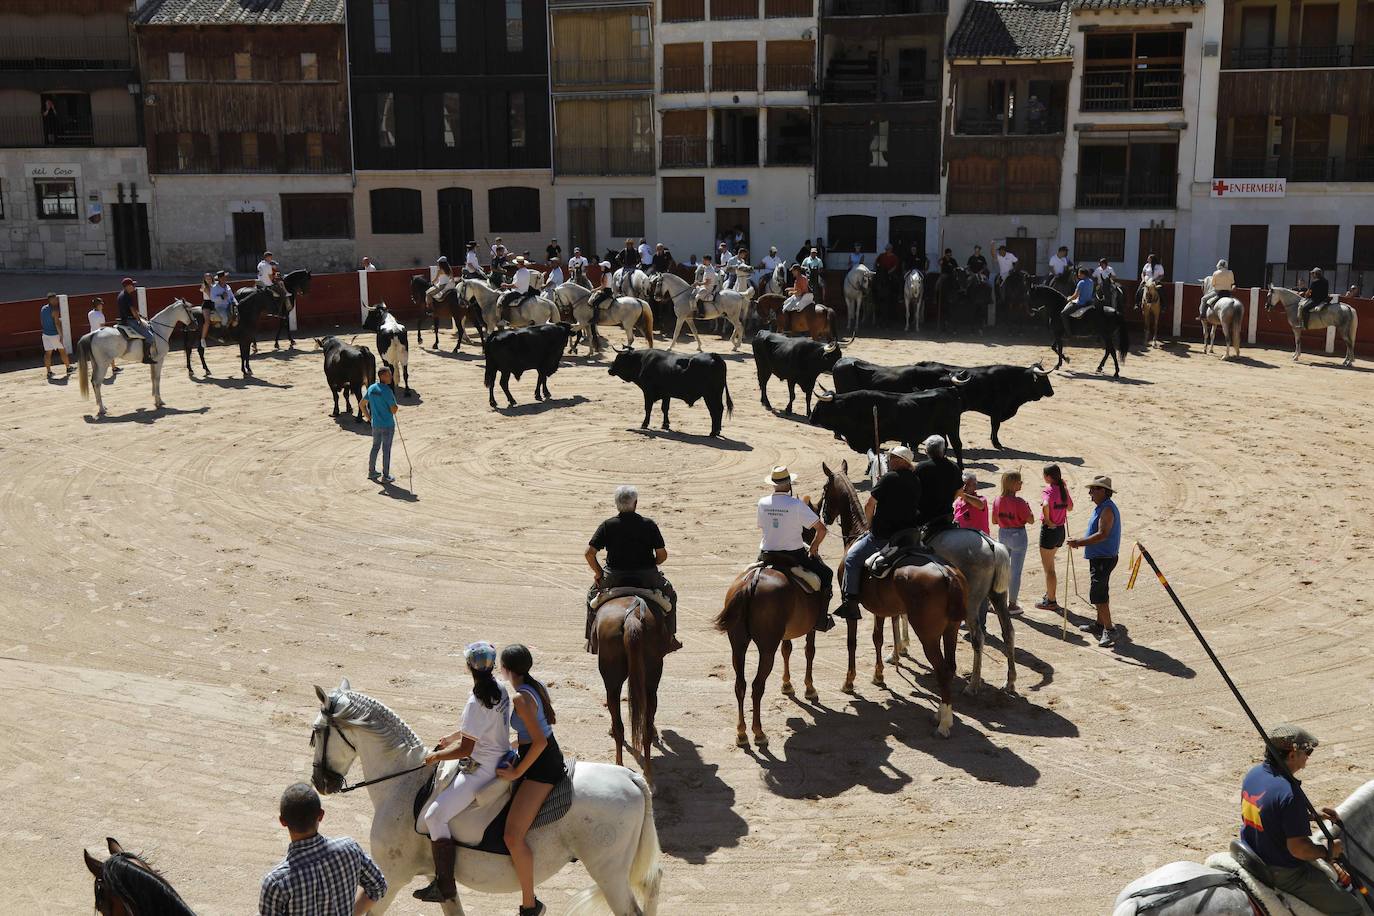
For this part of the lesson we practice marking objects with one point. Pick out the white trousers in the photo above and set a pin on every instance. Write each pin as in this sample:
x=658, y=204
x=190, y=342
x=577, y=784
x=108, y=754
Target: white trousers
x=798, y=303
x=451, y=802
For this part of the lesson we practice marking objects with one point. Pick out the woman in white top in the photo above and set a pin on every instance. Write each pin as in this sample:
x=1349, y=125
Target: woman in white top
x=485, y=737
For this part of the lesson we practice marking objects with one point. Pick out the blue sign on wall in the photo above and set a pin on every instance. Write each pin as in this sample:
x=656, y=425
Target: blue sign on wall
x=732, y=187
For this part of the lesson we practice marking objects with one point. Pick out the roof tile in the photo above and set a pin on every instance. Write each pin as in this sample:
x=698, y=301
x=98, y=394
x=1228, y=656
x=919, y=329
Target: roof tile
x=1012, y=29
x=240, y=12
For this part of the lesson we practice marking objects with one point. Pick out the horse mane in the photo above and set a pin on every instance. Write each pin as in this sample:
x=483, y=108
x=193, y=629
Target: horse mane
x=133, y=879
x=359, y=709
x=849, y=502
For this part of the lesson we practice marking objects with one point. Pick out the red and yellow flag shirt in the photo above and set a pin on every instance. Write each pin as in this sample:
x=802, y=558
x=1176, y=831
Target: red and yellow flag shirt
x=1270, y=813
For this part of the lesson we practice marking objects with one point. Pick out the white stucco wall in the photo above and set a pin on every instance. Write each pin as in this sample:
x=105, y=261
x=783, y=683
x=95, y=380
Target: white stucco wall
x=602, y=190
x=779, y=201
x=884, y=208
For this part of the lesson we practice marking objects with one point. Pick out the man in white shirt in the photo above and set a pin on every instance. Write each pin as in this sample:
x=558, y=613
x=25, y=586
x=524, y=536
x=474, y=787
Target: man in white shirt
x=783, y=518
x=519, y=286
x=265, y=266
x=1006, y=262
x=646, y=254
x=367, y=264
x=708, y=280
x=472, y=268
x=1104, y=271
x=768, y=265
x=222, y=295
x=1059, y=262
x=497, y=247
x=555, y=275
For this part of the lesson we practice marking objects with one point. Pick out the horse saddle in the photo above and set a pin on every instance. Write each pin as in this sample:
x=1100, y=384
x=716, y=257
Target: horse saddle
x=130, y=333
x=215, y=319
x=808, y=581
x=903, y=549
x=659, y=599
x=1244, y=867
x=482, y=824
x=1080, y=310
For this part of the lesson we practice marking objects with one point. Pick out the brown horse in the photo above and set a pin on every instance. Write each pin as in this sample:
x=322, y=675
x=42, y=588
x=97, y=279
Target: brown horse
x=931, y=597
x=1151, y=307
x=125, y=885
x=448, y=307
x=631, y=643
x=816, y=320
x=764, y=606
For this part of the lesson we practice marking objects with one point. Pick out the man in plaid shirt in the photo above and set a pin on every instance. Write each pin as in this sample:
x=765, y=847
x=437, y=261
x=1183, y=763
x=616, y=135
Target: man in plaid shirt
x=320, y=876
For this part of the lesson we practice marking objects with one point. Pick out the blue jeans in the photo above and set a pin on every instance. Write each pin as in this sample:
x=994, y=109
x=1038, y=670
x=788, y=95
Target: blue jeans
x=381, y=440
x=866, y=546
x=1014, y=539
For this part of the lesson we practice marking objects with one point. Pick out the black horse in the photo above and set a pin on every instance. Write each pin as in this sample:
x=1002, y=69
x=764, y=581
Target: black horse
x=1016, y=287
x=1100, y=322
x=125, y=883
x=251, y=304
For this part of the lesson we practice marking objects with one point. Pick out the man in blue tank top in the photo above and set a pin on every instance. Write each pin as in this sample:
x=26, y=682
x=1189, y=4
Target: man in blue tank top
x=1101, y=545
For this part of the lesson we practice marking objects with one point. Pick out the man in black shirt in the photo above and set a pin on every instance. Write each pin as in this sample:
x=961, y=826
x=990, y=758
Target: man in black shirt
x=553, y=250
x=130, y=318
x=663, y=260
x=977, y=264
x=634, y=551
x=803, y=252
x=891, y=508
x=940, y=480
x=1318, y=294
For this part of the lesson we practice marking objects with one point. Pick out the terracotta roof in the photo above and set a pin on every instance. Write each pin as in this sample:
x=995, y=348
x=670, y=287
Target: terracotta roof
x=1135, y=4
x=1012, y=29
x=240, y=12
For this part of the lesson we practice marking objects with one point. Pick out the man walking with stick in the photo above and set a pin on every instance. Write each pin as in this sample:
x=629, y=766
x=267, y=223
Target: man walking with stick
x=379, y=406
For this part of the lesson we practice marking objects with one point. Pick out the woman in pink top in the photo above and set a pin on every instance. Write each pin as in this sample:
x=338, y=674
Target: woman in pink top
x=1055, y=504
x=970, y=509
x=1013, y=514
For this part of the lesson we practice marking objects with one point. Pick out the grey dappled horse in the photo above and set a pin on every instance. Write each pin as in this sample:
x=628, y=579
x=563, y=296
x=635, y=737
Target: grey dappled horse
x=1338, y=314
x=97, y=351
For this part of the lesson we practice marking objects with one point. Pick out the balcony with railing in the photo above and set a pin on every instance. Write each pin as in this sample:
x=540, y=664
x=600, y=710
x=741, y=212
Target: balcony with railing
x=734, y=9
x=576, y=74
x=30, y=131
x=1285, y=58
x=851, y=88
x=603, y=160
x=784, y=9
x=684, y=79
x=1299, y=168
x=682, y=152
x=734, y=77
x=61, y=51
x=788, y=77
x=1119, y=192
x=842, y=8
x=233, y=162
x=1003, y=198
x=684, y=10
x=1132, y=90
x=981, y=124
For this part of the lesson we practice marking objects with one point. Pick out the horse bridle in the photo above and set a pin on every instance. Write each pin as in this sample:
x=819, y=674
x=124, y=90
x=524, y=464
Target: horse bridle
x=320, y=766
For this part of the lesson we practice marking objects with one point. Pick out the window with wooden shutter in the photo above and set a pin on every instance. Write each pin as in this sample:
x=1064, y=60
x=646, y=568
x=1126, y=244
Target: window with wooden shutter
x=513, y=209
x=396, y=211
x=1312, y=246
x=734, y=66
x=790, y=65
x=317, y=216
x=846, y=230
x=1362, y=255
x=684, y=67
x=627, y=217
x=1090, y=245
x=684, y=195
x=684, y=138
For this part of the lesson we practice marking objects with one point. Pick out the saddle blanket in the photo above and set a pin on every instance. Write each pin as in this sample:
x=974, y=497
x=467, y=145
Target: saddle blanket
x=648, y=594
x=1079, y=311
x=808, y=581
x=882, y=563
x=1272, y=901
x=129, y=333
x=482, y=824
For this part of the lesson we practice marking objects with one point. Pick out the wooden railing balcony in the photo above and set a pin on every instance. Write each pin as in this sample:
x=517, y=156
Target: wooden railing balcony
x=682, y=152
x=979, y=125
x=1118, y=192
x=788, y=77
x=684, y=10
x=840, y=8
x=783, y=9
x=603, y=160
x=1285, y=58
x=1004, y=198
x=1132, y=90
x=734, y=77
x=734, y=9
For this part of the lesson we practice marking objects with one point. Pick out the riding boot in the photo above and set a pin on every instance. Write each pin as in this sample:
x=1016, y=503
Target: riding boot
x=148, y=354
x=670, y=625
x=825, y=622
x=848, y=609
x=591, y=621
x=443, y=887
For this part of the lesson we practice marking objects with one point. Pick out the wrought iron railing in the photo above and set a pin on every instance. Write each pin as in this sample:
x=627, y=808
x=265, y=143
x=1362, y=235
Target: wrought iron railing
x=1285, y=58
x=885, y=7
x=734, y=77
x=1299, y=168
x=603, y=160
x=60, y=51
x=684, y=10
x=1132, y=90
x=682, y=152
x=1116, y=192
x=981, y=126
x=615, y=71
x=784, y=77
x=734, y=9
x=684, y=79
x=781, y=9
x=29, y=131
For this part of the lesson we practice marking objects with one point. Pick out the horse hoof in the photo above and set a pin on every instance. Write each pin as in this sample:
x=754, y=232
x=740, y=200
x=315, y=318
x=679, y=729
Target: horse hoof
x=760, y=740
x=812, y=696
x=788, y=690
x=878, y=681
x=893, y=659
x=1010, y=690
x=848, y=688
x=741, y=740
x=942, y=731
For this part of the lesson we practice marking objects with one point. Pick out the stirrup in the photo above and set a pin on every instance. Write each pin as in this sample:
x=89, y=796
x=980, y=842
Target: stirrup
x=431, y=893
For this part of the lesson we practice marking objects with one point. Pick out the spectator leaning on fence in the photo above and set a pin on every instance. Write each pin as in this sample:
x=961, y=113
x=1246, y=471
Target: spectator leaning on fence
x=50, y=317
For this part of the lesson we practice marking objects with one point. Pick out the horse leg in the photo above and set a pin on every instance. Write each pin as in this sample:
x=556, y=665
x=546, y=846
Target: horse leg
x=810, y=692
x=852, y=644
x=692, y=326
x=157, y=384
x=975, y=630
x=896, y=642
x=878, y=680
x=613, y=676
x=1297, y=343
x=944, y=676
x=999, y=604
x=739, y=645
x=767, y=652
x=787, y=688
x=677, y=332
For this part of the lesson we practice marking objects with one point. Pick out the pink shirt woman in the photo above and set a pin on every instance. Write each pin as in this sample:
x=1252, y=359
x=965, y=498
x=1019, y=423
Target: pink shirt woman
x=970, y=509
x=1011, y=512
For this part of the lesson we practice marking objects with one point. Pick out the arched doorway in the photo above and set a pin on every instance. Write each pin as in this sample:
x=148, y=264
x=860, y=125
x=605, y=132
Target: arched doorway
x=455, y=222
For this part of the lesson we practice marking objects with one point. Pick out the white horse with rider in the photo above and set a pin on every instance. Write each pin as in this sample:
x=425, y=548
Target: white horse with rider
x=97, y=351
x=626, y=311
x=609, y=827
x=536, y=309
x=1339, y=315
x=1219, y=309
x=684, y=297
x=914, y=297
x=858, y=288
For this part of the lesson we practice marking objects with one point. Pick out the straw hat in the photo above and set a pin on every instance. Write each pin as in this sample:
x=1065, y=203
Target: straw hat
x=1102, y=481
x=902, y=452
x=780, y=475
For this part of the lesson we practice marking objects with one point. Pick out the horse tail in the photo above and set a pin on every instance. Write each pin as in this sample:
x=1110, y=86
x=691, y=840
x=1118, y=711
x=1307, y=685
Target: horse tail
x=646, y=323
x=646, y=875
x=1001, y=567
x=83, y=355
x=635, y=660
x=737, y=601
x=1123, y=336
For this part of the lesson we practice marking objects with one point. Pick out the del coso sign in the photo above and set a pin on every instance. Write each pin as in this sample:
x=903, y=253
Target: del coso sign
x=1250, y=187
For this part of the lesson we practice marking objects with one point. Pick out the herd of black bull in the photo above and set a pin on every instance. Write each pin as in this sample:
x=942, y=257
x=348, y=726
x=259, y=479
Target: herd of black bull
x=870, y=404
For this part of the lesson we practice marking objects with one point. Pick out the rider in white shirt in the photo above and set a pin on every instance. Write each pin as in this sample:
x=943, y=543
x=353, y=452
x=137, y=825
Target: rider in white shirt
x=646, y=254
x=443, y=282
x=708, y=280
x=269, y=276
x=519, y=286
x=1103, y=271
x=1006, y=262
x=783, y=518
x=1059, y=262
x=471, y=266
x=577, y=261
x=1152, y=270
x=555, y=275
x=799, y=293
x=1223, y=284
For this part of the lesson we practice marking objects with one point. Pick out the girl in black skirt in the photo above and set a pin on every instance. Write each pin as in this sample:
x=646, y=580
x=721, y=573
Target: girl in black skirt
x=539, y=766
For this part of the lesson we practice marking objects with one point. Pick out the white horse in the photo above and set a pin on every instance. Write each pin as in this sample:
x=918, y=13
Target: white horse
x=534, y=310
x=1227, y=313
x=1217, y=888
x=108, y=344
x=626, y=311
x=639, y=282
x=914, y=297
x=858, y=284
x=1345, y=319
x=744, y=279
x=609, y=828
x=728, y=304
x=777, y=281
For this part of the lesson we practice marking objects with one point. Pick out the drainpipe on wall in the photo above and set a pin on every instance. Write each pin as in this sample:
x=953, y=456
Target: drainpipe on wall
x=348, y=90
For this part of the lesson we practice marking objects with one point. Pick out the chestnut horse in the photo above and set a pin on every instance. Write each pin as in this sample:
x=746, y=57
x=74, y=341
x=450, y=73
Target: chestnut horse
x=631, y=643
x=764, y=606
x=816, y=320
x=1150, y=307
x=125, y=885
x=930, y=596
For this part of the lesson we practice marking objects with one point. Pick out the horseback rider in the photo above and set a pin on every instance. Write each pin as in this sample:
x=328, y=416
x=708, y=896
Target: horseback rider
x=769, y=263
x=472, y=268
x=1275, y=825
x=977, y=264
x=498, y=264
x=222, y=298
x=634, y=552
x=269, y=276
x=520, y=288
x=1059, y=264
x=444, y=283
x=940, y=481
x=1084, y=296
x=815, y=270
x=629, y=261
x=130, y=318
x=782, y=519
x=1223, y=284
x=577, y=264
x=1316, y=295
x=948, y=263
x=555, y=275
x=799, y=294
x=1104, y=274
x=891, y=508
x=663, y=259
x=708, y=280
x=604, y=291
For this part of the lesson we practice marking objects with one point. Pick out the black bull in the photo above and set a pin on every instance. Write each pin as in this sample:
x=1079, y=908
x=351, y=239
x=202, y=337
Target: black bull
x=905, y=418
x=997, y=391
x=662, y=376
x=795, y=360
x=514, y=351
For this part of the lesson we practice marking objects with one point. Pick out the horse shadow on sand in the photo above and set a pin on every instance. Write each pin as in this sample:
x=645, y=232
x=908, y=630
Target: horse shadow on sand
x=143, y=415
x=346, y=421
x=1103, y=376
x=717, y=442
x=691, y=798
x=842, y=749
x=1251, y=362
x=1003, y=455
x=1335, y=365
x=995, y=710
x=466, y=356
x=239, y=383
x=1126, y=651
x=537, y=407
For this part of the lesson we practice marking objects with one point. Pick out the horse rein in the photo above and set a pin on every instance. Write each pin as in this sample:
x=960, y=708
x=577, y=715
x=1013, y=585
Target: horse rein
x=324, y=754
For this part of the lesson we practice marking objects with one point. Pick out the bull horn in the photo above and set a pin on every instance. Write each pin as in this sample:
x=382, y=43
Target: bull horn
x=1039, y=369
x=959, y=381
x=831, y=347
x=825, y=394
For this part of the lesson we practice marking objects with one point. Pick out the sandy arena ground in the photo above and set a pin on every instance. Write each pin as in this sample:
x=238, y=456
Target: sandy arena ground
x=173, y=584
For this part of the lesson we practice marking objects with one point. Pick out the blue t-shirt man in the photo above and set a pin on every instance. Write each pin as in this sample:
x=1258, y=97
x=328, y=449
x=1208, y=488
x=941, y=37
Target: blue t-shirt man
x=45, y=317
x=1270, y=813
x=380, y=400
x=1086, y=291
x=1110, y=546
